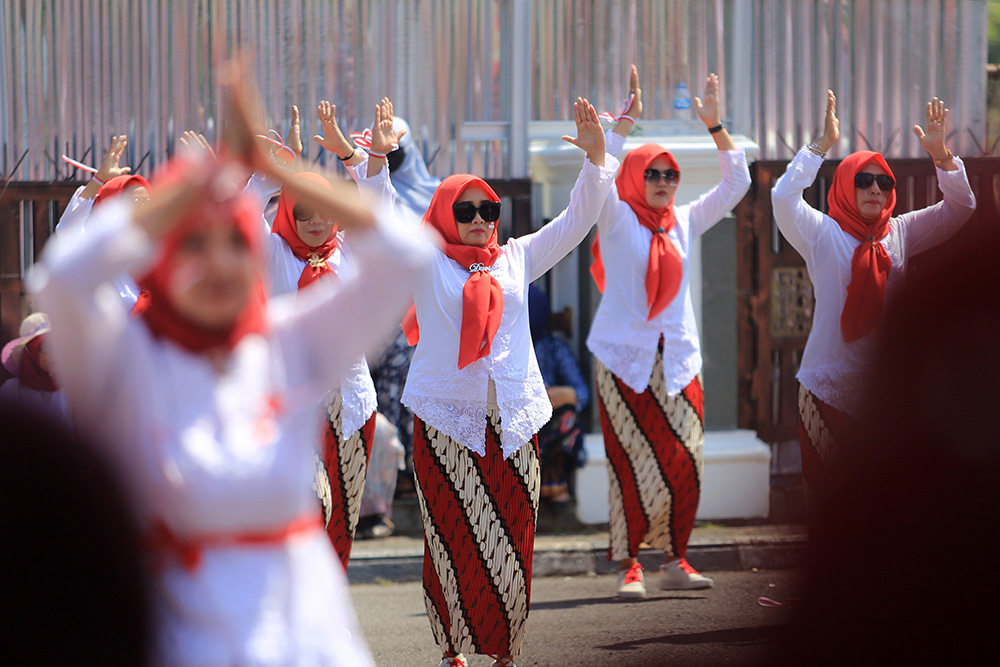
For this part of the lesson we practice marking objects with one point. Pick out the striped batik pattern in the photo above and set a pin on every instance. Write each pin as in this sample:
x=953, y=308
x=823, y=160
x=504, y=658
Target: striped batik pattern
x=823, y=430
x=654, y=447
x=346, y=462
x=479, y=516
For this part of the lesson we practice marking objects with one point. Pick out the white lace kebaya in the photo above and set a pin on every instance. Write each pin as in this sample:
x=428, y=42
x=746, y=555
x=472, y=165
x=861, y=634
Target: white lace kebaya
x=620, y=336
x=832, y=369
x=455, y=401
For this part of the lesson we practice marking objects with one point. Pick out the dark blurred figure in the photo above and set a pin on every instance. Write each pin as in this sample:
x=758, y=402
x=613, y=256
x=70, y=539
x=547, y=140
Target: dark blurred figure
x=903, y=562
x=71, y=577
x=560, y=441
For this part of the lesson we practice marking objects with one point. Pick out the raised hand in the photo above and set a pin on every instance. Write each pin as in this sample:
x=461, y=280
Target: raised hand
x=294, y=140
x=333, y=138
x=383, y=136
x=589, y=135
x=933, y=138
x=710, y=110
x=109, y=165
x=635, y=110
x=195, y=143
x=831, y=125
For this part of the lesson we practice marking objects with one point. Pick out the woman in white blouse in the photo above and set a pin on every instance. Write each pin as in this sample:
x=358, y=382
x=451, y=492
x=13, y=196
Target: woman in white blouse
x=306, y=247
x=208, y=402
x=645, y=340
x=478, y=400
x=856, y=255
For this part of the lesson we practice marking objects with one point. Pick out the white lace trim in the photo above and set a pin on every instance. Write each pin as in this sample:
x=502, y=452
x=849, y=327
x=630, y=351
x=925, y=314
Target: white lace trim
x=633, y=364
x=840, y=390
x=523, y=408
x=358, y=395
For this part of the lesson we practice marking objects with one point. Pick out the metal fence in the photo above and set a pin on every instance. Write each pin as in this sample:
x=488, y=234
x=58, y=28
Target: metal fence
x=468, y=73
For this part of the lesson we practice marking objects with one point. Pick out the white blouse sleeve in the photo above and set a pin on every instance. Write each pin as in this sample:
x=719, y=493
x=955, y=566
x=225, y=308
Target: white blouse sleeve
x=376, y=191
x=614, y=143
x=76, y=211
x=73, y=284
x=322, y=332
x=933, y=225
x=799, y=222
x=552, y=242
x=711, y=207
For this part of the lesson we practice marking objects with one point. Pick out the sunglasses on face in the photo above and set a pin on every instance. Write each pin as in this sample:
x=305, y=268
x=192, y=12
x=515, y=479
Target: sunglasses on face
x=864, y=181
x=669, y=175
x=465, y=211
x=302, y=212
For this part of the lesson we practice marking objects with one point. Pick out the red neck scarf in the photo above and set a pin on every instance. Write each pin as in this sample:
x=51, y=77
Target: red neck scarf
x=314, y=256
x=115, y=187
x=31, y=374
x=160, y=314
x=665, y=269
x=870, y=264
x=482, y=298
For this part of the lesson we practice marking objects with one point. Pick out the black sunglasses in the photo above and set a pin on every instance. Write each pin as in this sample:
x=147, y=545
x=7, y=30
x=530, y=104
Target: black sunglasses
x=654, y=175
x=864, y=181
x=465, y=211
x=302, y=212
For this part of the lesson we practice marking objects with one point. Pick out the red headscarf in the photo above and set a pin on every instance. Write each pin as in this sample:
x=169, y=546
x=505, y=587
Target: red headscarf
x=482, y=297
x=284, y=226
x=116, y=186
x=161, y=316
x=870, y=264
x=31, y=374
x=665, y=269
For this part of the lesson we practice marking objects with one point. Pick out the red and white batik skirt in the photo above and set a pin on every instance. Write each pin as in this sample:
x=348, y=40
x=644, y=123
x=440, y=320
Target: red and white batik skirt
x=479, y=516
x=340, y=480
x=654, y=447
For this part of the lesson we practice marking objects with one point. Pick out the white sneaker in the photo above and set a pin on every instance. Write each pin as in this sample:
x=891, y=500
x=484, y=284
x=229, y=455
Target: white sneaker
x=631, y=583
x=503, y=662
x=678, y=575
x=454, y=661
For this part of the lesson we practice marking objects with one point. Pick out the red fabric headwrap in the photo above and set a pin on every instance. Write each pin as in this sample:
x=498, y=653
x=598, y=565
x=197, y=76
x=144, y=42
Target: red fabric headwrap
x=314, y=256
x=665, y=269
x=31, y=374
x=161, y=316
x=116, y=186
x=870, y=264
x=482, y=297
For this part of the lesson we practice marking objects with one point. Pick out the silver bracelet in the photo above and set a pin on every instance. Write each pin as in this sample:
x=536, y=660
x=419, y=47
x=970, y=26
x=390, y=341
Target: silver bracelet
x=816, y=149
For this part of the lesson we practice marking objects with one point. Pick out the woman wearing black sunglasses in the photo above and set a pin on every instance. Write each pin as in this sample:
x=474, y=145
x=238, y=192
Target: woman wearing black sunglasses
x=645, y=341
x=856, y=255
x=478, y=398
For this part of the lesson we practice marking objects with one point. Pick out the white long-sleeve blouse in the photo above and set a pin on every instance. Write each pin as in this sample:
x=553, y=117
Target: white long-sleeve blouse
x=831, y=368
x=455, y=401
x=223, y=452
x=356, y=388
x=74, y=220
x=620, y=336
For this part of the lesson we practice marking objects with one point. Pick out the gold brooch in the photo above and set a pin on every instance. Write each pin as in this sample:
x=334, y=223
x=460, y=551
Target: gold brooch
x=316, y=261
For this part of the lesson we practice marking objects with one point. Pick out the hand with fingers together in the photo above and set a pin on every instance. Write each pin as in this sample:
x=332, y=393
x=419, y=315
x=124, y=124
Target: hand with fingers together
x=333, y=138
x=589, y=135
x=294, y=139
x=109, y=167
x=710, y=112
x=624, y=125
x=196, y=144
x=933, y=138
x=384, y=139
x=831, y=127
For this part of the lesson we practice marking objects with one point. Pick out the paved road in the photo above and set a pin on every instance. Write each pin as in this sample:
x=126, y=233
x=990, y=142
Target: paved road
x=575, y=621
